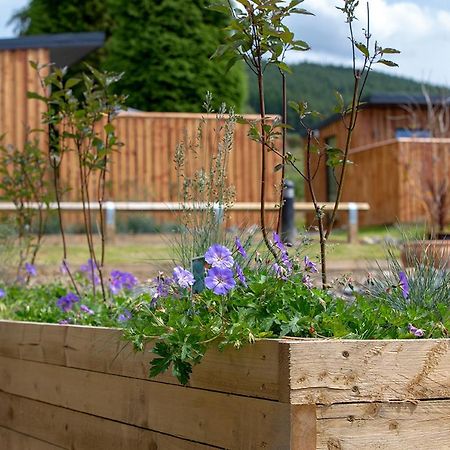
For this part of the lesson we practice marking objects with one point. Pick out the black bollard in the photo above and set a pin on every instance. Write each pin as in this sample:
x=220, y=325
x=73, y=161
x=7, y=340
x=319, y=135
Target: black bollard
x=288, y=231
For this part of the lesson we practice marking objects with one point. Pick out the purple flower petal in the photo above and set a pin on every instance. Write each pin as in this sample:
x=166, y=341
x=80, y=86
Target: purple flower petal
x=240, y=249
x=219, y=256
x=183, y=277
x=2, y=293
x=65, y=303
x=306, y=280
x=418, y=332
x=30, y=269
x=240, y=274
x=404, y=284
x=86, y=310
x=121, y=280
x=309, y=265
x=279, y=243
x=125, y=316
x=219, y=280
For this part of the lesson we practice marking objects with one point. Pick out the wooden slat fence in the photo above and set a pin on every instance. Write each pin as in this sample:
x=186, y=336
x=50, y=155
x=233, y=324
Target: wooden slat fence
x=143, y=169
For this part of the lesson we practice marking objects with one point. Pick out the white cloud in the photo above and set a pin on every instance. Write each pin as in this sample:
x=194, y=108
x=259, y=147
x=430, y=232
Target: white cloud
x=419, y=30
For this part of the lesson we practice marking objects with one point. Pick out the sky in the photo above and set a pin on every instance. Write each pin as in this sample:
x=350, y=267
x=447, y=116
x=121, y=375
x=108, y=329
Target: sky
x=420, y=29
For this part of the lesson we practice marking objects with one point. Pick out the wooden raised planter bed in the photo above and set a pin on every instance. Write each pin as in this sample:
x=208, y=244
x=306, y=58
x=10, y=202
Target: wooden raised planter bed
x=70, y=387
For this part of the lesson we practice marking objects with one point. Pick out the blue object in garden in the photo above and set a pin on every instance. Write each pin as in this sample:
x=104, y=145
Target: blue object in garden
x=198, y=270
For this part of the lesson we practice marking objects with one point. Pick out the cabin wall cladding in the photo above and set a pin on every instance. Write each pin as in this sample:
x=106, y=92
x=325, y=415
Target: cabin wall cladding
x=17, y=77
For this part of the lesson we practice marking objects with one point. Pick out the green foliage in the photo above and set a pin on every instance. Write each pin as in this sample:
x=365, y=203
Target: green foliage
x=316, y=84
x=167, y=62
x=37, y=303
x=427, y=277
x=23, y=180
x=62, y=16
x=82, y=124
x=269, y=307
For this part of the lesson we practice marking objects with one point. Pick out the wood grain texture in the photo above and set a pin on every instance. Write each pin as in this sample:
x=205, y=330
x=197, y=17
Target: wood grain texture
x=252, y=371
x=72, y=430
x=153, y=178
x=231, y=421
x=328, y=372
x=12, y=440
x=389, y=426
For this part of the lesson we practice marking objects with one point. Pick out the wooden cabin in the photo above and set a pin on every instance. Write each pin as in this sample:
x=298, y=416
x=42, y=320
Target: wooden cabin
x=143, y=170
x=400, y=154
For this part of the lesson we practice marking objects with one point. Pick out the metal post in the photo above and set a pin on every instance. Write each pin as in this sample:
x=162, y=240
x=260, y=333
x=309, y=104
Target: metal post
x=110, y=208
x=352, y=223
x=288, y=231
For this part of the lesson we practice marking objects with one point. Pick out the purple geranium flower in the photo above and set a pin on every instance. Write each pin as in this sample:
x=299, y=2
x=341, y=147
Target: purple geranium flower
x=287, y=262
x=89, y=266
x=90, y=269
x=2, y=293
x=30, y=269
x=121, y=280
x=125, y=316
x=64, y=322
x=220, y=280
x=306, y=280
x=280, y=271
x=418, y=332
x=279, y=243
x=219, y=256
x=183, y=277
x=240, y=249
x=404, y=284
x=86, y=310
x=309, y=265
x=240, y=274
x=65, y=303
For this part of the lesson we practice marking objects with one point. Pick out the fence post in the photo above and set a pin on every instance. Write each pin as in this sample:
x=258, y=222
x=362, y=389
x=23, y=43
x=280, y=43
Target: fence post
x=288, y=231
x=352, y=223
x=110, y=208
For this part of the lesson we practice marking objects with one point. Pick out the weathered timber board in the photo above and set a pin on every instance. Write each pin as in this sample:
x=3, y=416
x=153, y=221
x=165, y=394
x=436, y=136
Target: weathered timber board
x=222, y=420
x=388, y=426
x=73, y=430
x=251, y=371
x=12, y=440
x=336, y=371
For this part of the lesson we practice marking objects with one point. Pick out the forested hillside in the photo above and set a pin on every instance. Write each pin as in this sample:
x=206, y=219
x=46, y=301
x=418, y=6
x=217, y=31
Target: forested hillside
x=317, y=83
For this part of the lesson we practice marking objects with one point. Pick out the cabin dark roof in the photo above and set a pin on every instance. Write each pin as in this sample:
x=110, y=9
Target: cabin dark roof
x=381, y=99
x=65, y=49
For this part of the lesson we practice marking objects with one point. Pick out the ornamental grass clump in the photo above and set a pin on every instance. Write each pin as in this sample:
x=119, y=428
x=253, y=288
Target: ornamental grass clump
x=205, y=194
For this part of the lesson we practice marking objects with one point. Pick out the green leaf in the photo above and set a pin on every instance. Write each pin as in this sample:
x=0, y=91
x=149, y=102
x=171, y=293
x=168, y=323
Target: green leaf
x=389, y=50
x=71, y=82
x=388, y=63
x=36, y=96
x=302, y=11
x=362, y=48
x=340, y=102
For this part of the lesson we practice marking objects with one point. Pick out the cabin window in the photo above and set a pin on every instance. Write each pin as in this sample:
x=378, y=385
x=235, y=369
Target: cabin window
x=409, y=133
x=331, y=183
